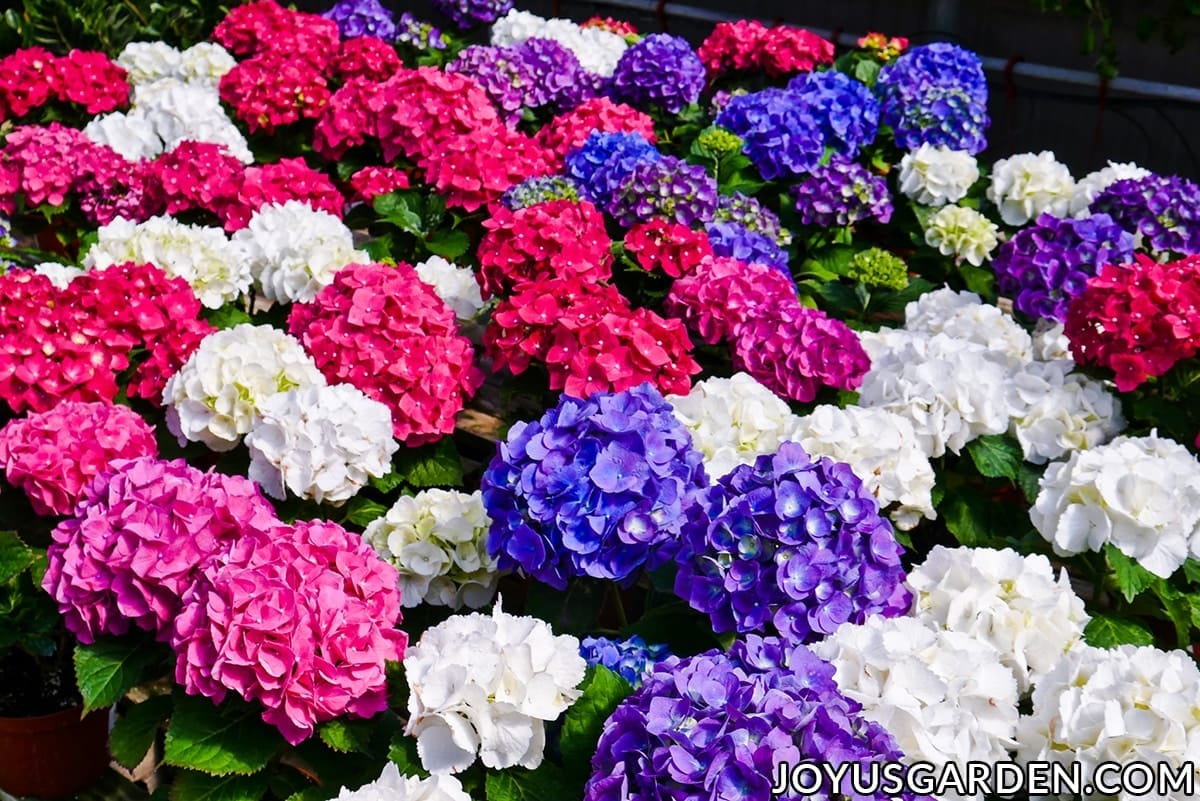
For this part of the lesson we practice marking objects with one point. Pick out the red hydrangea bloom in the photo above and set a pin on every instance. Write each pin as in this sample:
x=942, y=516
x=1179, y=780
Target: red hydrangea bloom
x=1137, y=319
x=619, y=27
x=418, y=111
x=794, y=351
x=366, y=57
x=140, y=540
x=92, y=80
x=286, y=179
x=570, y=131
x=348, y=119
x=732, y=47
x=475, y=169
x=29, y=78
x=370, y=182
x=561, y=238
x=667, y=247
x=786, y=51
x=275, y=89
x=196, y=175
x=723, y=293
x=54, y=455
x=265, y=27
x=300, y=620
x=386, y=332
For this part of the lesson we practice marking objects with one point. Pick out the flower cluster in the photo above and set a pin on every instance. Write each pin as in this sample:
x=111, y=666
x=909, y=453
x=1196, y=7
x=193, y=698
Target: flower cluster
x=935, y=94
x=936, y=175
x=670, y=248
x=561, y=238
x=842, y=193
x=196, y=176
x=1056, y=411
x=885, y=47
x=33, y=77
x=597, y=49
x=286, y=181
x=391, y=786
x=421, y=36
x=602, y=164
x=536, y=74
x=371, y=182
x=1089, y=187
x=539, y=189
x=962, y=233
x=631, y=659
x=1164, y=211
x=453, y=284
x=730, y=240
x=875, y=267
x=846, y=110
x=469, y=13
x=570, y=131
x=599, y=487
x=365, y=57
x=752, y=215
x=720, y=295
x=1027, y=185
x=362, y=18
x=661, y=71
x=747, y=45
x=779, y=136
x=668, y=188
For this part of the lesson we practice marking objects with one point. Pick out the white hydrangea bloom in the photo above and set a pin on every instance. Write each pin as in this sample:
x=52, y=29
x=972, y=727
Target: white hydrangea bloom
x=1050, y=342
x=182, y=111
x=598, y=50
x=391, y=786
x=205, y=63
x=1056, y=411
x=943, y=695
x=216, y=268
x=1027, y=184
x=59, y=274
x=1121, y=705
x=437, y=540
x=295, y=250
x=320, y=442
x=453, y=284
x=216, y=395
x=882, y=449
x=1009, y=601
x=965, y=316
x=132, y=135
x=733, y=421
x=951, y=390
x=962, y=233
x=147, y=62
x=1091, y=185
x=935, y=176
x=1142, y=494
x=484, y=686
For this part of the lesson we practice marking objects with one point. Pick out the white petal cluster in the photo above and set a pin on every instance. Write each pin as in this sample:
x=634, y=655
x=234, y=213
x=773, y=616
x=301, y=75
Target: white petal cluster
x=935, y=176
x=484, y=686
x=598, y=50
x=148, y=62
x=1050, y=342
x=453, y=284
x=1009, y=601
x=391, y=786
x=962, y=233
x=59, y=274
x=216, y=268
x=131, y=134
x=1056, y=411
x=216, y=395
x=1119, y=705
x=944, y=696
x=882, y=449
x=965, y=316
x=295, y=250
x=437, y=540
x=1027, y=184
x=1142, y=494
x=320, y=442
x=205, y=63
x=733, y=421
x=181, y=111
x=1091, y=185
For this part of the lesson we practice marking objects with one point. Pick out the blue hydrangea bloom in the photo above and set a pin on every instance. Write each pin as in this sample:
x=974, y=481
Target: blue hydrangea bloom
x=598, y=487
x=845, y=108
x=1164, y=210
x=668, y=188
x=630, y=659
x=661, y=71
x=600, y=167
x=539, y=189
x=469, y=13
x=733, y=240
x=935, y=94
x=357, y=18
x=752, y=215
x=781, y=138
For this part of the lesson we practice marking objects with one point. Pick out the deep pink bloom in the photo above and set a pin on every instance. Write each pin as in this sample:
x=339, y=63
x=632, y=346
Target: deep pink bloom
x=723, y=293
x=561, y=238
x=569, y=131
x=370, y=182
x=275, y=89
x=265, y=26
x=29, y=78
x=94, y=81
x=197, y=176
x=348, y=119
x=365, y=57
x=286, y=179
x=667, y=247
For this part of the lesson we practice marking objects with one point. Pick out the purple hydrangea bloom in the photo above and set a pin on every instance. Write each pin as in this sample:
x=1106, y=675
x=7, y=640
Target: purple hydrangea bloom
x=845, y=108
x=781, y=138
x=539, y=189
x=469, y=13
x=357, y=18
x=937, y=95
x=721, y=725
x=499, y=72
x=1164, y=210
x=661, y=71
x=735, y=241
x=420, y=35
x=668, y=188
x=1047, y=264
x=842, y=193
x=598, y=487
x=602, y=165
x=752, y=215
x=793, y=542
x=630, y=659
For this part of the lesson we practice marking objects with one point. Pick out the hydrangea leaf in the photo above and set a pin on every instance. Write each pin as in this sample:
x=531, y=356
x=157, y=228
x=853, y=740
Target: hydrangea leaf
x=108, y=669
x=520, y=784
x=190, y=785
x=15, y=556
x=228, y=317
x=996, y=456
x=436, y=465
x=363, y=511
x=220, y=740
x=133, y=734
x=448, y=244
x=603, y=690
x=403, y=752
x=346, y=735
x=1130, y=576
x=1104, y=631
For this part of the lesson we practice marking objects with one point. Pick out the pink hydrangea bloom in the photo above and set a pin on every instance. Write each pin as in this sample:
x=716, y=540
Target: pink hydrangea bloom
x=365, y=57
x=266, y=26
x=286, y=179
x=370, y=182
x=275, y=89
x=569, y=131
x=44, y=160
x=53, y=455
x=348, y=119
x=418, y=111
x=197, y=176
x=556, y=239
x=475, y=169
x=109, y=186
x=29, y=78
x=94, y=81
x=723, y=293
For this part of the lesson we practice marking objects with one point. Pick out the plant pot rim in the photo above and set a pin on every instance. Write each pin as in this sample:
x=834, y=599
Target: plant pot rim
x=54, y=720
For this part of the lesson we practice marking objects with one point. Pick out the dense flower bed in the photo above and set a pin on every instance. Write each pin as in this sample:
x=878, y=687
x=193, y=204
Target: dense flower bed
x=826, y=433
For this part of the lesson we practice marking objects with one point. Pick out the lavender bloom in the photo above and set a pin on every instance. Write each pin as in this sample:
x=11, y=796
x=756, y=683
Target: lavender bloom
x=499, y=71
x=419, y=35
x=669, y=188
x=781, y=139
x=602, y=165
x=557, y=80
x=539, y=189
x=842, y=193
x=792, y=542
x=735, y=241
x=937, y=95
x=596, y=488
x=630, y=659
x=1164, y=211
x=844, y=107
x=661, y=71
x=752, y=215
x=721, y=725
x=1047, y=264
x=469, y=13
x=357, y=18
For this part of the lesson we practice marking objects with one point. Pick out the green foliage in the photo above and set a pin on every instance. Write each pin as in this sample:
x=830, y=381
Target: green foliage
x=60, y=25
x=603, y=690
x=219, y=740
x=519, y=784
x=134, y=732
x=1105, y=631
x=437, y=464
x=111, y=667
x=190, y=785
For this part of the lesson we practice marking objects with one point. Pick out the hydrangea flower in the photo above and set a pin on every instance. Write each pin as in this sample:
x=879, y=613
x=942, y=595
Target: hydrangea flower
x=875, y=267
x=391, y=786
x=778, y=51
x=730, y=240
x=598, y=487
x=453, y=284
x=598, y=50
x=366, y=57
x=781, y=139
x=844, y=107
x=604, y=162
x=631, y=659
x=935, y=94
x=1142, y=494
x=469, y=13
x=217, y=393
x=751, y=214
x=1164, y=211
x=60, y=275
x=661, y=71
x=540, y=189
x=556, y=239
x=722, y=295
x=483, y=686
x=571, y=130
x=792, y=542
x=669, y=188
x=1027, y=185
x=842, y=193
x=422, y=36
x=437, y=541
x=935, y=176
x=1089, y=187
x=276, y=185
x=962, y=233
x=667, y=247
x=1008, y=600
x=1056, y=411
x=371, y=182
x=356, y=18
x=964, y=316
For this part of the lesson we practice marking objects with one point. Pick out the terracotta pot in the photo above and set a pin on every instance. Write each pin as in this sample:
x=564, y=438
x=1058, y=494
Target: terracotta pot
x=50, y=756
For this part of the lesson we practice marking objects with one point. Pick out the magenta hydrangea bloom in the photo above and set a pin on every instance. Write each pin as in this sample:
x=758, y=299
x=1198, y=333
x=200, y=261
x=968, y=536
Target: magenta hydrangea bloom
x=301, y=620
x=723, y=293
x=140, y=540
x=53, y=455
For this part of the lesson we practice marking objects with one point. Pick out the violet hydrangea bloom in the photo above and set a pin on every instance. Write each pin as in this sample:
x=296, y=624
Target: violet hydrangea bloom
x=539, y=189
x=842, y=193
x=631, y=659
x=357, y=18
x=668, y=188
x=661, y=71
x=602, y=165
x=723, y=725
x=845, y=108
x=499, y=72
x=598, y=487
x=1164, y=210
x=557, y=80
x=1047, y=264
x=781, y=138
x=751, y=214
x=469, y=13
x=417, y=34
x=935, y=94
x=735, y=241
x=794, y=542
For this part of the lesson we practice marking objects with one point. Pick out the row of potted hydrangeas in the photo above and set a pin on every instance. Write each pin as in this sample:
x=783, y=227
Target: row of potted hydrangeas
x=820, y=433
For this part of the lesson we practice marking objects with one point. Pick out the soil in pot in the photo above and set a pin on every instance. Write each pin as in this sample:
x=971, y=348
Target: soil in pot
x=28, y=689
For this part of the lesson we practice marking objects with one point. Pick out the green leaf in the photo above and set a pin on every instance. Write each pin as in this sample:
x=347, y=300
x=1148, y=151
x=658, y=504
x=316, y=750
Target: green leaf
x=1178, y=608
x=228, y=316
x=1105, y=631
x=435, y=465
x=976, y=520
x=1029, y=480
x=570, y=611
x=996, y=456
x=979, y=280
x=108, y=669
x=519, y=784
x=386, y=483
x=133, y=734
x=1131, y=577
x=15, y=556
x=363, y=511
x=396, y=208
x=448, y=244
x=867, y=71
x=1191, y=569
x=192, y=786
x=602, y=691
x=230, y=738
x=403, y=752
x=346, y=735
